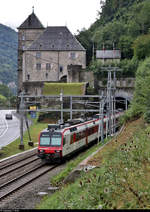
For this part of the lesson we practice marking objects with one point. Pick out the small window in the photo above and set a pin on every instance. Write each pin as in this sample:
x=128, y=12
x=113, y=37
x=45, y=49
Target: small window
x=61, y=68
x=72, y=55
x=48, y=66
x=38, y=54
x=46, y=75
x=23, y=37
x=38, y=66
x=28, y=76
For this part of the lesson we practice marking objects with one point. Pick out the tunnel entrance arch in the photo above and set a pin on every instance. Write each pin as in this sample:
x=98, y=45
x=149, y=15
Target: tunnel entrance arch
x=122, y=103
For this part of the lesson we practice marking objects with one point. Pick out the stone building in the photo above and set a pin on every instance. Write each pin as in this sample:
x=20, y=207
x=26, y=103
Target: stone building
x=108, y=56
x=44, y=55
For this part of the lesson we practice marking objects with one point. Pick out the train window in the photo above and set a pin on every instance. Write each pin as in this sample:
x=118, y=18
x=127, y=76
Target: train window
x=64, y=141
x=44, y=141
x=96, y=129
x=91, y=131
x=73, y=129
x=56, y=140
x=71, y=139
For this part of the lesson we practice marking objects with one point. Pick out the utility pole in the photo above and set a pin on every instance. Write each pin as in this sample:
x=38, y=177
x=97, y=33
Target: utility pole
x=30, y=142
x=61, y=101
x=71, y=107
x=102, y=118
x=21, y=111
x=110, y=98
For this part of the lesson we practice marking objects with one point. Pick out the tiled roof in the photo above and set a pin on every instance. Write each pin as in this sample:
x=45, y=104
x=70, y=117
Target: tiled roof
x=57, y=38
x=108, y=54
x=32, y=22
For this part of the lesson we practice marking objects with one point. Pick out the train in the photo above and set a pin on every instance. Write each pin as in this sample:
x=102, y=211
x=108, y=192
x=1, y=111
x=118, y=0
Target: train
x=58, y=141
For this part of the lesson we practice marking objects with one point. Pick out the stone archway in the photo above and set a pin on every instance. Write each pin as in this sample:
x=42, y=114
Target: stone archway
x=123, y=99
x=63, y=78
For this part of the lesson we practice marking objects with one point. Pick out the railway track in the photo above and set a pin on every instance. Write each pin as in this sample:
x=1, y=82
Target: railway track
x=19, y=171
x=16, y=166
x=17, y=159
x=18, y=182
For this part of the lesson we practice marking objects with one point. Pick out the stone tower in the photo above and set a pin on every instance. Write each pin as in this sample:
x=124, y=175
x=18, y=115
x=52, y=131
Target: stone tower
x=28, y=31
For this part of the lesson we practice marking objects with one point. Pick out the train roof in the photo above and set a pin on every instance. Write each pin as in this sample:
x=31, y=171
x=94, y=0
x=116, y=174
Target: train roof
x=72, y=124
x=68, y=124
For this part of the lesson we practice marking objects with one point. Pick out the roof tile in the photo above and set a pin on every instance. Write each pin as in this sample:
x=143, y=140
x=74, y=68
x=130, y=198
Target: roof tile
x=57, y=38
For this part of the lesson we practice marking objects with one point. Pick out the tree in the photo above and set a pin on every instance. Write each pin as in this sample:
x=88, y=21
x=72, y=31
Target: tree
x=5, y=91
x=141, y=99
x=3, y=101
x=85, y=39
x=141, y=47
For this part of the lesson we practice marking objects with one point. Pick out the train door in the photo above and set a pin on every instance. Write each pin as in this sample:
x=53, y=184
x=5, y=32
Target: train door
x=86, y=136
x=66, y=145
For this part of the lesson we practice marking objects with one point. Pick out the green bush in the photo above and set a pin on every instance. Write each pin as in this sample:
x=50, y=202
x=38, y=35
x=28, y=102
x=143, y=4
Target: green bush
x=141, y=99
x=141, y=47
x=3, y=100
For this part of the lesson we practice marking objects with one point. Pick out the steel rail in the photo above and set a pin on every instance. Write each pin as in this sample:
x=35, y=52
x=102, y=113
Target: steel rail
x=15, y=161
x=14, y=169
x=23, y=183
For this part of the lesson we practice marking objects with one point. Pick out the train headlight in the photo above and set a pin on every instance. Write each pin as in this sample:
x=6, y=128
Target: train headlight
x=57, y=151
x=41, y=150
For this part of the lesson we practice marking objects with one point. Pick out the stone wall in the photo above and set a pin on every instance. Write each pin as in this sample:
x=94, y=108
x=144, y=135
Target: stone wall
x=124, y=87
x=120, y=83
x=56, y=59
x=25, y=38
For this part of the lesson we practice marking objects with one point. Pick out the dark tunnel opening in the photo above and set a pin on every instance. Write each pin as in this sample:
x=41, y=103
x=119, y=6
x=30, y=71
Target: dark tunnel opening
x=122, y=103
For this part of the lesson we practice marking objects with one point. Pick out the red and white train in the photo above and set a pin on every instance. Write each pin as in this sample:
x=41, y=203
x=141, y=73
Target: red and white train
x=59, y=141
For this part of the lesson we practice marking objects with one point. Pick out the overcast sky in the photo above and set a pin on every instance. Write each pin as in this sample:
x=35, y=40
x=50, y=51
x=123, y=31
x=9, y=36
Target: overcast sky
x=75, y=14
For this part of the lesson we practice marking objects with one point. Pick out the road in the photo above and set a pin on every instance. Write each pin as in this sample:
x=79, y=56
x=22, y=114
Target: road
x=9, y=129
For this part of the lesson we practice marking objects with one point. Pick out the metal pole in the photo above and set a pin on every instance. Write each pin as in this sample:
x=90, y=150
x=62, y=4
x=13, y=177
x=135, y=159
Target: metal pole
x=61, y=100
x=30, y=143
x=114, y=105
x=71, y=107
x=126, y=105
x=109, y=100
x=21, y=146
x=102, y=122
x=112, y=115
x=106, y=128
x=99, y=123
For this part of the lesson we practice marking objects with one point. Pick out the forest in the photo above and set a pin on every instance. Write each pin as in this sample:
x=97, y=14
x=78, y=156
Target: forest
x=121, y=25
x=8, y=54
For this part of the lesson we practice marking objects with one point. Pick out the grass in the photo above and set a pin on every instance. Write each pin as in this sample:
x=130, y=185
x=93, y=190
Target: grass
x=66, y=88
x=120, y=181
x=13, y=148
x=57, y=180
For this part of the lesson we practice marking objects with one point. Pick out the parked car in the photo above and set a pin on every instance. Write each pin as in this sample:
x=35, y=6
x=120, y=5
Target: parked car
x=8, y=116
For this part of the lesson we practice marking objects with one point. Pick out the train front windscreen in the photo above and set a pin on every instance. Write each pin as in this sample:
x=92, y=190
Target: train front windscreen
x=48, y=139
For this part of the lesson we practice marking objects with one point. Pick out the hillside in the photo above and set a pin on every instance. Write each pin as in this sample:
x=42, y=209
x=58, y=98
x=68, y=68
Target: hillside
x=120, y=179
x=8, y=54
x=118, y=25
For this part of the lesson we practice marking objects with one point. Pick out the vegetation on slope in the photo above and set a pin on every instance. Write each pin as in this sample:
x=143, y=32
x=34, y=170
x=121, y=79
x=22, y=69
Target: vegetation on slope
x=8, y=54
x=123, y=25
x=141, y=100
x=120, y=181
